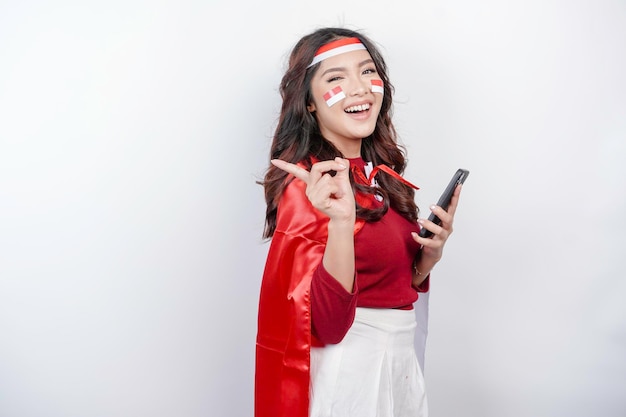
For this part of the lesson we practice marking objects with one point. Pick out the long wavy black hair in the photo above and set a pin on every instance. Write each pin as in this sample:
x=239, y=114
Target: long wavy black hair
x=297, y=137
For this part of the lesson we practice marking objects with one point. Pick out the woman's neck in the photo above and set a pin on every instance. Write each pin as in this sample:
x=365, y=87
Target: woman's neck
x=349, y=149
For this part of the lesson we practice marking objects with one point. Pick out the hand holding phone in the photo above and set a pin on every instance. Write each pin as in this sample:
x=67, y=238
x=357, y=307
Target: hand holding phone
x=444, y=201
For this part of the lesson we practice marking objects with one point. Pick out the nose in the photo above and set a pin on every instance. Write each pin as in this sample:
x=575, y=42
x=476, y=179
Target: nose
x=358, y=88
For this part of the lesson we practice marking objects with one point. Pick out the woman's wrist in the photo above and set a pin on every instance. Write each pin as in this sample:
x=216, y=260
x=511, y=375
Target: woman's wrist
x=419, y=273
x=419, y=277
x=421, y=269
x=341, y=228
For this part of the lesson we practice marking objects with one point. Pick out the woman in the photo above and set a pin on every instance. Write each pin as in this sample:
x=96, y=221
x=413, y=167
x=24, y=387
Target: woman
x=346, y=263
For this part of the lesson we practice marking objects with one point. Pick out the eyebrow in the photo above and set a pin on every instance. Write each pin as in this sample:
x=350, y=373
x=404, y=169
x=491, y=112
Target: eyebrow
x=334, y=69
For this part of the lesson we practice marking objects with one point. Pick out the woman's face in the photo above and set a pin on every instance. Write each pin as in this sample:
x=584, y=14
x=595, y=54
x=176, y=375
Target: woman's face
x=347, y=97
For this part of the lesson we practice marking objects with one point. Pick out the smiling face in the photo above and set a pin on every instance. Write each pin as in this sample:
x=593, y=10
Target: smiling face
x=345, y=101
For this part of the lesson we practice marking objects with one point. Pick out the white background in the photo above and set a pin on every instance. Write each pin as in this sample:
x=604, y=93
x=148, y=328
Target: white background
x=131, y=137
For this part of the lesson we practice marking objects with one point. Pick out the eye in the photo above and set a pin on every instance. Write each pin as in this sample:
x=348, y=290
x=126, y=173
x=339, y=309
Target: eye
x=333, y=79
x=369, y=71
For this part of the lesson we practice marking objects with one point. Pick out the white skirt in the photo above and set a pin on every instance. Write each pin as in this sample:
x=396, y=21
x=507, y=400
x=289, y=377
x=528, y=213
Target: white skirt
x=372, y=372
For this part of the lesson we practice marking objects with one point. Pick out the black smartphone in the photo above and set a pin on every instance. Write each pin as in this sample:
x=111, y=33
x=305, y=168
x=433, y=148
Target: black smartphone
x=444, y=201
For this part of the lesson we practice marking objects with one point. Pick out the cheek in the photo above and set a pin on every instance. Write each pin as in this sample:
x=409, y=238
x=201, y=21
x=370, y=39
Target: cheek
x=334, y=96
x=378, y=87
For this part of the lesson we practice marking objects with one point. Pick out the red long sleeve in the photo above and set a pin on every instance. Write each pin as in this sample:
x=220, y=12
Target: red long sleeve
x=332, y=307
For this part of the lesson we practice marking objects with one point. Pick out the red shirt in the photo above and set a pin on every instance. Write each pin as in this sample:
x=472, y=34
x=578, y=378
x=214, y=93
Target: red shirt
x=384, y=254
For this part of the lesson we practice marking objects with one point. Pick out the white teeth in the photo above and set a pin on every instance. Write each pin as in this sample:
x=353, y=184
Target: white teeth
x=361, y=107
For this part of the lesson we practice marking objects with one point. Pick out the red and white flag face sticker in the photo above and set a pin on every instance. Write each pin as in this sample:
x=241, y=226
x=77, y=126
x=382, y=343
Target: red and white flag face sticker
x=335, y=95
x=377, y=86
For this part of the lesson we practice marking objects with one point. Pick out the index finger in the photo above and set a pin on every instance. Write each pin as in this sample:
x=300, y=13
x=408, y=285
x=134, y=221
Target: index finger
x=293, y=169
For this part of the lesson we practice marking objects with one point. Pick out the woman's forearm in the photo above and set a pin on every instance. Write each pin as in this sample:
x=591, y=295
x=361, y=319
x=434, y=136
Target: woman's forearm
x=339, y=253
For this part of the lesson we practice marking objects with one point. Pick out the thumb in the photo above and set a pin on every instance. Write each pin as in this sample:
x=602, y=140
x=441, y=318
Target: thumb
x=345, y=163
x=343, y=174
x=342, y=178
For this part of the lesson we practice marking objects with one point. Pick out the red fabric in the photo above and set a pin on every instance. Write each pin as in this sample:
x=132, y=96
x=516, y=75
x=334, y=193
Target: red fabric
x=332, y=307
x=284, y=322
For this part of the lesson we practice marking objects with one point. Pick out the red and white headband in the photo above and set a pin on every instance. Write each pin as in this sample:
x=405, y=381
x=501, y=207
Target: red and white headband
x=339, y=46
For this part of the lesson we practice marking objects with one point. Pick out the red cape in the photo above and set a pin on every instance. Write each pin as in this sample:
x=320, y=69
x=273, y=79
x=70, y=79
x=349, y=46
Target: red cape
x=284, y=321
